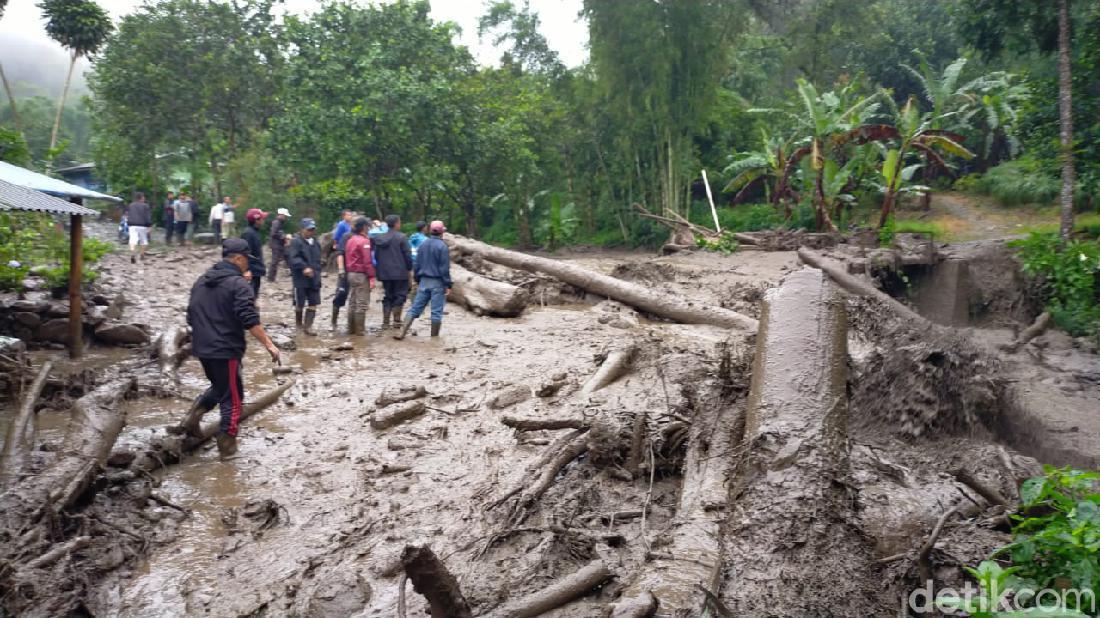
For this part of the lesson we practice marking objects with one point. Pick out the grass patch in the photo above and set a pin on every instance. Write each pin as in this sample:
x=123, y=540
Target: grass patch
x=1014, y=183
x=894, y=227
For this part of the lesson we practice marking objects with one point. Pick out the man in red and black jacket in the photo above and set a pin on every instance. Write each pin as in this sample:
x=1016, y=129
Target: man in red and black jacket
x=360, y=273
x=221, y=309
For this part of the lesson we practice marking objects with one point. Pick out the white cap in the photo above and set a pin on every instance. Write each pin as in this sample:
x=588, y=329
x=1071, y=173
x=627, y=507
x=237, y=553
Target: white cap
x=283, y=211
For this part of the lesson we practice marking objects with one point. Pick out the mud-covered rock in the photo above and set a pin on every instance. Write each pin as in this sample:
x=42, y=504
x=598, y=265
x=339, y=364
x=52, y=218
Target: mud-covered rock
x=510, y=396
x=391, y=396
x=121, y=334
x=396, y=414
x=338, y=593
x=26, y=318
x=31, y=306
x=54, y=331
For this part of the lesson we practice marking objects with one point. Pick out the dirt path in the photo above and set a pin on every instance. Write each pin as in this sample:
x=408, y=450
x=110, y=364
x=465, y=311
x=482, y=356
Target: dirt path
x=965, y=217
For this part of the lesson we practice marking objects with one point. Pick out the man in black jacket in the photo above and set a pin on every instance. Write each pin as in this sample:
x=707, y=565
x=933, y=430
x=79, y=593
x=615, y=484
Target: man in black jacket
x=278, y=241
x=305, y=266
x=140, y=218
x=222, y=307
x=433, y=278
x=394, y=269
x=251, y=235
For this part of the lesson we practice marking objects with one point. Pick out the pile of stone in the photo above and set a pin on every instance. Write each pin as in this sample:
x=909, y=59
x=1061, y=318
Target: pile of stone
x=46, y=323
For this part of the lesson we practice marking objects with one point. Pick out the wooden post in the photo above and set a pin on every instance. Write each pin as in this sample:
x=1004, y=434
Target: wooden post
x=76, y=272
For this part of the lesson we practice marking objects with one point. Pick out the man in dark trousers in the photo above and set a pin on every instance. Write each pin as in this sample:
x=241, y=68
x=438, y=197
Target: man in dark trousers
x=139, y=218
x=433, y=278
x=169, y=217
x=278, y=242
x=255, y=222
x=394, y=256
x=221, y=309
x=305, y=266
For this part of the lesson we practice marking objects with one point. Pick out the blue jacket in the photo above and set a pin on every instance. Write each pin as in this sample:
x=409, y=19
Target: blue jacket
x=433, y=259
x=415, y=241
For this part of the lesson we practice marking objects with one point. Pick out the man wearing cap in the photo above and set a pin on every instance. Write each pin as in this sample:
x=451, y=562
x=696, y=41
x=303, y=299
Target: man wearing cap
x=255, y=218
x=360, y=275
x=433, y=278
x=305, y=266
x=221, y=308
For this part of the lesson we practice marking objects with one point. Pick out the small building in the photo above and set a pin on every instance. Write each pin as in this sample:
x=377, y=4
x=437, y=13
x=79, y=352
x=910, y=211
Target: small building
x=82, y=175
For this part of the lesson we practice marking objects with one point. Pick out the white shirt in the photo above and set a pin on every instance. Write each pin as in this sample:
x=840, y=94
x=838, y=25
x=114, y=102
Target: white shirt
x=227, y=214
x=216, y=212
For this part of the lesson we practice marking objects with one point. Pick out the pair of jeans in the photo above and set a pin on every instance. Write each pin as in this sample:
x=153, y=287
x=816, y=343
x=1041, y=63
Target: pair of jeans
x=396, y=293
x=278, y=256
x=169, y=228
x=358, y=292
x=226, y=391
x=430, y=290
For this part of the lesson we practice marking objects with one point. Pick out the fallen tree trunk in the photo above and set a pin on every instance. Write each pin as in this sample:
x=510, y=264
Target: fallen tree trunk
x=170, y=349
x=20, y=437
x=171, y=448
x=430, y=577
x=793, y=509
x=613, y=367
x=1038, y=327
x=654, y=303
x=485, y=296
x=571, y=587
x=857, y=286
x=397, y=413
x=536, y=424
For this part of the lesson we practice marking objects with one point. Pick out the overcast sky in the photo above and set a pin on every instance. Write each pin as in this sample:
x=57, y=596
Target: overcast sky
x=22, y=23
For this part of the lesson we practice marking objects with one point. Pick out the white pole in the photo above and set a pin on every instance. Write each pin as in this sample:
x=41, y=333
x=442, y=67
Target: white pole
x=710, y=198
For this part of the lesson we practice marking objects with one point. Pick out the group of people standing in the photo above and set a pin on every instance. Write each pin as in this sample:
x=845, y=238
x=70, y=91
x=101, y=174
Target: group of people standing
x=223, y=303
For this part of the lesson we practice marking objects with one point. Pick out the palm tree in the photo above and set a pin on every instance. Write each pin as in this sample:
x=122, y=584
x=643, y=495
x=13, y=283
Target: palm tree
x=761, y=166
x=81, y=26
x=1065, y=115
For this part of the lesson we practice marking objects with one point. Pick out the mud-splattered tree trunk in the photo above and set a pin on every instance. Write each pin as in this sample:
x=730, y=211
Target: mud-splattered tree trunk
x=1065, y=118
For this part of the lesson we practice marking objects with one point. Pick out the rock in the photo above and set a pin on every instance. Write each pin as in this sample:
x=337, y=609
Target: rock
x=32, y=306
x=396, y=414
x=510, y=397
x=26, y=318
x=550, y=387
x=58, y=310
x=54, y=331
x=391, y=396
x=283, y=341
x=13, y=348
x=343, y=347
x=121, y=334
x=100, y=300
x=204, y=238
x=114, y=311
x=1054, y=341
x=95, y=315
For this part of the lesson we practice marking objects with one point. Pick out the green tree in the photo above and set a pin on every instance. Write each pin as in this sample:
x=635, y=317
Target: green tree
x=7, y=86
x=80, y=26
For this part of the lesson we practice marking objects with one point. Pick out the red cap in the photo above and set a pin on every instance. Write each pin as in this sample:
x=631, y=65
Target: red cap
x=255, y=214
x=436, y=226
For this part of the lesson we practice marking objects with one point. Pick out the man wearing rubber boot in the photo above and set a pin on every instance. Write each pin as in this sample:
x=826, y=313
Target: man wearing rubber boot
x=305, y=267
x=433, y=278
x=221, y=308
x=395, y=265
x=360, y=273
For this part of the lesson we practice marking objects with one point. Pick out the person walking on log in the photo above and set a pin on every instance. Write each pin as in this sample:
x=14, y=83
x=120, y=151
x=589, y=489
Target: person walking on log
x=433, y=278
x=360, y=274
x=395, y=264
x=255, y=219
x=278, y=242
x=169, y=217
x=139, y=217
x=305, y=267
x=222, y=307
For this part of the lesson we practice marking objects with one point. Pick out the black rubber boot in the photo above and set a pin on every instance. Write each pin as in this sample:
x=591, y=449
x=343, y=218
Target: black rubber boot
x=435, y=328
x=191, y=423
x=397, y=317
x=386, y=316
x=335, y=316
x=404, y=329
x=360, y=322
x=307, y=322
x=298, y=318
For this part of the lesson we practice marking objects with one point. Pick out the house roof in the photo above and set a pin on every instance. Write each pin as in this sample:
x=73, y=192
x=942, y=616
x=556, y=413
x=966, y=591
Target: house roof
x=15, y=197
x=83, y=167
x=40, y=182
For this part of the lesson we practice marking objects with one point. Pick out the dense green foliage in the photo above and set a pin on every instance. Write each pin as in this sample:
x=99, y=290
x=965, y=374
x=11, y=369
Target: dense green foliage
x=1055, y=547
x=1068, y=278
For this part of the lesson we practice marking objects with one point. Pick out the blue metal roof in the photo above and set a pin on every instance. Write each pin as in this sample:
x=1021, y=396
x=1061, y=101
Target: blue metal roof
x=40, y=182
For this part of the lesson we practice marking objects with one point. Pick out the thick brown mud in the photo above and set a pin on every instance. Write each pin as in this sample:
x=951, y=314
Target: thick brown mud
x=312, y=516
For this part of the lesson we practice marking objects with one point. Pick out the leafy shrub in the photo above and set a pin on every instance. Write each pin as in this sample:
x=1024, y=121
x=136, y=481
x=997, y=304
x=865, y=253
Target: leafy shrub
x=725, y=243
x=893, y=227
x=31, y=239
x=740, y=218
x=1068, y=277
x=1014, y=183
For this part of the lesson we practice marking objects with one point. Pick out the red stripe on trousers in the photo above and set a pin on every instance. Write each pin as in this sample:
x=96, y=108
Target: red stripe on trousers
x=235, y=396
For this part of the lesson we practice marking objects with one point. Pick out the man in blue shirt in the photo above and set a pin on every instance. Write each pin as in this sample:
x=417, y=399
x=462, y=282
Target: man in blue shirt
x=433, y=278
x=417, y=238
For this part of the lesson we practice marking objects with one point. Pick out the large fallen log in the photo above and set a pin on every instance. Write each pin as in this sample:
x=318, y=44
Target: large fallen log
x=486, y=296
x=19, y=439
x=792, y=506
x=858, y=286
x=664, y=306
x=170, y=449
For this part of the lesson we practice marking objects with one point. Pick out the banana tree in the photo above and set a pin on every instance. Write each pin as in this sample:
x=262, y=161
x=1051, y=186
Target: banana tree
x=825, y=120
x=765, y=166
x=913, y=133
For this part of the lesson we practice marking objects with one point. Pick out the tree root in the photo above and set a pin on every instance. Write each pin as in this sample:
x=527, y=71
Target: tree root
x=430, y=577
x=20, y=437
x=569, y=588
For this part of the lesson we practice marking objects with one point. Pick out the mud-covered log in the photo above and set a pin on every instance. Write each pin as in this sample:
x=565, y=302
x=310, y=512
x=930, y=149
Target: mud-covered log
x=641, y=606
x=1038, y=327
x=486, y=296
x=573, y=586
x=20, y=436
x=616, y=365
x=397, y=395
x=430, y=577
x=170, y=348
x=661, y=305
x=537, y=424
x=397, y=413
x=170, y=449
x=791, y=507
x=549, y=473
x=857, y=286
x=535, y=469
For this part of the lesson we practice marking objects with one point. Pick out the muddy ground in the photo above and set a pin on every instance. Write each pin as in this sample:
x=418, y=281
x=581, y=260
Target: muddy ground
x=311, y=516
